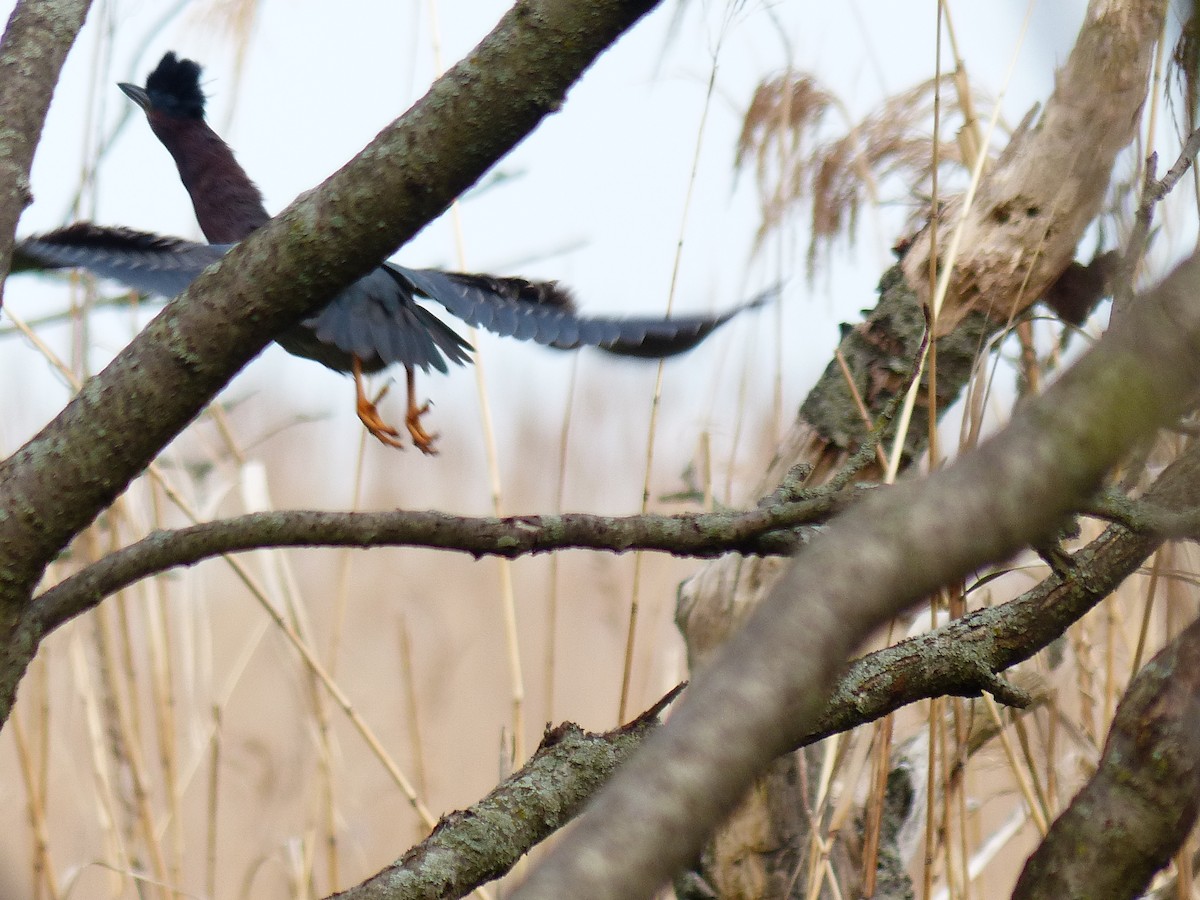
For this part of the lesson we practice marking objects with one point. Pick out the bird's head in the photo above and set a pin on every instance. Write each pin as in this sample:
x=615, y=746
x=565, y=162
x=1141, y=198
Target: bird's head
x=172, y=89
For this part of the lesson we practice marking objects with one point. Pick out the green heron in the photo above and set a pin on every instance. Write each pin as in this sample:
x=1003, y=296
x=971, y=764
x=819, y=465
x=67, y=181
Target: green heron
x=374, y=323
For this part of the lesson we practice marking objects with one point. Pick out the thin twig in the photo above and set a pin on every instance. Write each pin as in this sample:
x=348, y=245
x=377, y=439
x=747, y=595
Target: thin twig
x=762, y=531
x=1153, y=192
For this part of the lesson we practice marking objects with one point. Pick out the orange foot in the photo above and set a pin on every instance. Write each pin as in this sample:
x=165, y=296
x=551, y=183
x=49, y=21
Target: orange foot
x=421, y=438
x=368, y=414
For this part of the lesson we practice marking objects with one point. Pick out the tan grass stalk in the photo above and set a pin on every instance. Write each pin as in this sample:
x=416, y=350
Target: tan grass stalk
x=656, y=396
x=508, y=603
x=43, y=875
x=413, y=713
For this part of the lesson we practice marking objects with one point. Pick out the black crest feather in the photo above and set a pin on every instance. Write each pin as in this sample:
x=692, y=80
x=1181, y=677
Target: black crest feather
x=174, y=87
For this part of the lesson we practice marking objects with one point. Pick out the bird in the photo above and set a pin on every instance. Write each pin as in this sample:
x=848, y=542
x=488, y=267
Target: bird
x=377, y=321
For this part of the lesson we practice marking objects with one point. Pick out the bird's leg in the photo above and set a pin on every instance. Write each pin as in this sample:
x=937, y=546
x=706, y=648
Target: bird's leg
x=422, y=439
x=369, y=415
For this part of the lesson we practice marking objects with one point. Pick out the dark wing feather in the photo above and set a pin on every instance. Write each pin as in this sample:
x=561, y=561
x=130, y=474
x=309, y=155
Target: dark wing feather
x=377, y=318
x=144, y=262
x=659, y=338
x=542, y=312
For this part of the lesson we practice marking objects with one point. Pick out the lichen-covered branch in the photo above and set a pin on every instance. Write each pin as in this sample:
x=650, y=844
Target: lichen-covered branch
x=35, y=44
x=1031, y=210
x=767, y=685
x=767, y=530
x=964, y=657
x=1141, y=804
x=476, y=845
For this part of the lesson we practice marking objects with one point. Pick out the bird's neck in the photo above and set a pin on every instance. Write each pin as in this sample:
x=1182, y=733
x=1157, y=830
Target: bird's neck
x=228, y=205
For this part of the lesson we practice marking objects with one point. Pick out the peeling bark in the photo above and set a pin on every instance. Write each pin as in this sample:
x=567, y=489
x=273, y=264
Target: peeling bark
x=1020, y=234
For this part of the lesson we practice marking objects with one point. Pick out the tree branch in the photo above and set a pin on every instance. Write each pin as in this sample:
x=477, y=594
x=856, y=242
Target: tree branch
x=1030, y=212
x=767, y=686
x=1154, y=191
x=988, y=641
x=962, y=658
x=478, y=844
x=1141, y=804
x=35, y=44
x=1050, y=182
x=763, y=530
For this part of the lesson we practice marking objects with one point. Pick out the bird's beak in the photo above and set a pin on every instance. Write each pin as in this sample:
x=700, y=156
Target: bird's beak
x=136, y=94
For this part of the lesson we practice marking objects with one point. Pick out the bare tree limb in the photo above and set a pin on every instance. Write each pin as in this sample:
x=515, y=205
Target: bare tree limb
x=762, y=530
x=1030, y=212
x=476, y=845
x=962, y=658
x=988, y=641
x=1050, y=182
x=35, y=44
x=767, y=686
x=769, y=528
x=1154, y=191
x=1140, y=806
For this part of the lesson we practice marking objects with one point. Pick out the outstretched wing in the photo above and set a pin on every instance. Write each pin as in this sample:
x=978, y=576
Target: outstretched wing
x=545, y=313
x=378, y=318
x=144, y=262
